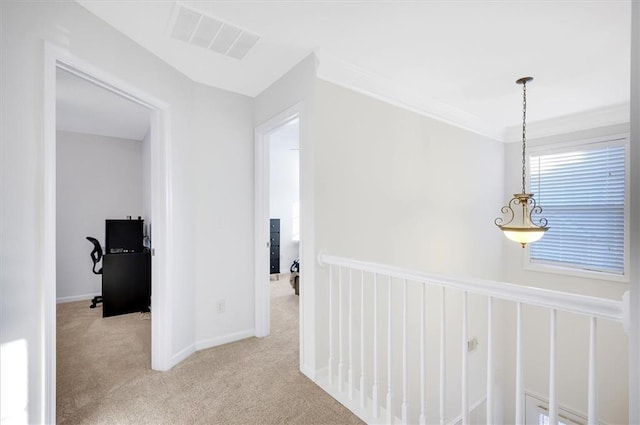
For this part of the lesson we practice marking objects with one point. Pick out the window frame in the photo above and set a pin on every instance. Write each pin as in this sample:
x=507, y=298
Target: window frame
x=577, y=271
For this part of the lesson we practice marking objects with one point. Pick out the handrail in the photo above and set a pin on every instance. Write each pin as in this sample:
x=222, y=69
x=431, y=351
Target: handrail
x=565, y=301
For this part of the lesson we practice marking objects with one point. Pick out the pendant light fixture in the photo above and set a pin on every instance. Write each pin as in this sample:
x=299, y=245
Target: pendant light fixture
x=518, y=223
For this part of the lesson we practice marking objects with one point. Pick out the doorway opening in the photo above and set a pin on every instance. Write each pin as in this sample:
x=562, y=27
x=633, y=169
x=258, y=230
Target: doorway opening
x=284, y=213
x=277, y=159
x=102, y=249
x=159, y=175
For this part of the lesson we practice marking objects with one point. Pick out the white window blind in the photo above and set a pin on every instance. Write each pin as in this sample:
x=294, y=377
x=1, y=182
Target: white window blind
x=582, y=195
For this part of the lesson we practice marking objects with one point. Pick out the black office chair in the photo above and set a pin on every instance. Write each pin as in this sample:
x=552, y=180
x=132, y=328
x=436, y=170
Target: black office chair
x=96, y=256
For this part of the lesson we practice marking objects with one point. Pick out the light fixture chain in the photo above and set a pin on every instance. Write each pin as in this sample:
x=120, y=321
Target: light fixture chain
x=524, y=134
x=518, y=222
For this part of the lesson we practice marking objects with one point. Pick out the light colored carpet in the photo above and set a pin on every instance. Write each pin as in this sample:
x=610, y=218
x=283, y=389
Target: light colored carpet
x=104, y=374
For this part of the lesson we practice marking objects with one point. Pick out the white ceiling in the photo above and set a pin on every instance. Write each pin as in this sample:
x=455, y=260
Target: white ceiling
x=83, y=107
x=455, y=60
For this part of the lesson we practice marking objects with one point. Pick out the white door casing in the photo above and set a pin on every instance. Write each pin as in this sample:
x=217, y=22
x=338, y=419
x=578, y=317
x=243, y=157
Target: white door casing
x=160, y=134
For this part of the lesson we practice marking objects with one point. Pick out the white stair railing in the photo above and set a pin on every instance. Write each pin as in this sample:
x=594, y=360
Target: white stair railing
x=383, y=341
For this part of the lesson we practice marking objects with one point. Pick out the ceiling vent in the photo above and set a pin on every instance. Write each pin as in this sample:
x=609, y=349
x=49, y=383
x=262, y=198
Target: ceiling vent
x=210, y=33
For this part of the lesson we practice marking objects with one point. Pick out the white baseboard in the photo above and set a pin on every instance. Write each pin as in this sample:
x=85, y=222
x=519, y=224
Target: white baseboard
x=204, y=344
x=182, y=354
x=76, y=298
x=311, y=373
x=224, y=339
x=472, y=408
x=353, y=404
x=366, y=413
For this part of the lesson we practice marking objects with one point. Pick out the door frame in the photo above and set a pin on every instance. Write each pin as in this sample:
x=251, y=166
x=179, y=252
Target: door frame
x=634, y=286
x=307, y=300
x=161, y=215
x=262, y=190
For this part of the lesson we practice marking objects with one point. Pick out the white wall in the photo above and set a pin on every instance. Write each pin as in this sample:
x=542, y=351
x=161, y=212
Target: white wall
x=284, y=191
x=297, y=87
x=223, y=211
x=399, y=188
x=573, y=331
x=24, y=26
x=404, y=194
x=384, y=184
x=97, y=178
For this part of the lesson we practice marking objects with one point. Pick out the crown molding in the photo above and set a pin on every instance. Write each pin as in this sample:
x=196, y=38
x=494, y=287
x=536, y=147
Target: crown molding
x=595, y=118
x=341, y=73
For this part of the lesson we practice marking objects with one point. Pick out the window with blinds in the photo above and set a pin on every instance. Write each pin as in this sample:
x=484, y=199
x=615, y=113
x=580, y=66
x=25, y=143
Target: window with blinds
x=582, y=193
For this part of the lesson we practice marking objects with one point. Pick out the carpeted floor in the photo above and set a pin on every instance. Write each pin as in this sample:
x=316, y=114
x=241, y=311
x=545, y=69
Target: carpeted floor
x=104, y=374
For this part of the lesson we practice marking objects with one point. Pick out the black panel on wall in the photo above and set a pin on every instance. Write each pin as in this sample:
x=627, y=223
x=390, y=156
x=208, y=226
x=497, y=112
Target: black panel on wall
x=274, y=243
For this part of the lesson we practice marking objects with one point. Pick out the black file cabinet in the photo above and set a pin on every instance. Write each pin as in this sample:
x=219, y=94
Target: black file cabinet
x=274, y=244
x=126, y=283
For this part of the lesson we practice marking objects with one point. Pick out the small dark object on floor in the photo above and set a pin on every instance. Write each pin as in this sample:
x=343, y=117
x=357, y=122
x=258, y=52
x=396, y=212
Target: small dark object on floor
x=294, y=280
x=96, y=256
x=97, y=299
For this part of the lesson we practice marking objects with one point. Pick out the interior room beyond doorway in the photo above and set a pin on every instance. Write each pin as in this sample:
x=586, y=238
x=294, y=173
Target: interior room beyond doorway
x=284, y=203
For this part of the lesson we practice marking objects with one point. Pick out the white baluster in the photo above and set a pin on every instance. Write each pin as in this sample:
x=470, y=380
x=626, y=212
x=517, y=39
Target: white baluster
x=443, y=361
x=465, y=360
x=405, y=378
x=330, y=324
x=490, y=419
x=423, y=377
x=519, y=420
x=390, y=414
x=362, y=391
x=350, y=373
x=340, y=325
x=374, y=390
x=592, y=411
x=553, y=400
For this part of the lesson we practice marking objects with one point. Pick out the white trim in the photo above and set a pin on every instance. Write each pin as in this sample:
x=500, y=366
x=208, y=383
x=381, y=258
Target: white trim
x=224, y=339
x=458, y=419
x=353, y=404
x=308, y=290
x=357, y=79
x=73, y=298
x=261, y=238
x=347, y=75
x=634, y=296
x=162, y=237
x=307, y=232
x=570, y=145
x=565, y=301
x=321, y=374
x=577, y=271
x=182, y=354
x=54, y=58
x=48, y=254
x=626, y=312
x=561, y=409
x=610, y=115
x=542, y=267
x=262, y=298
x=311, y=373
x=209, y=343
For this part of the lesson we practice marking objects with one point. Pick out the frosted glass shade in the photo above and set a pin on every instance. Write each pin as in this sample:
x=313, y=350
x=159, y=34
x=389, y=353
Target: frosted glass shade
x=519, y=226
x=524, y=235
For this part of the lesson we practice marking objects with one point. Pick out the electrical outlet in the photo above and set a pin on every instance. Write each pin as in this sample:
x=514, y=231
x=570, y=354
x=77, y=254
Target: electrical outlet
x=472, y=344
x=220, y=306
